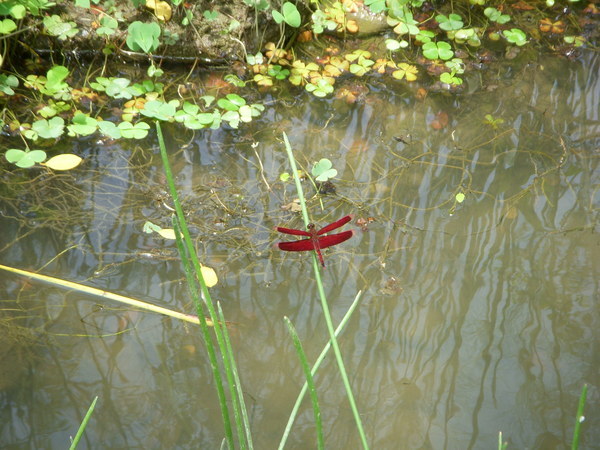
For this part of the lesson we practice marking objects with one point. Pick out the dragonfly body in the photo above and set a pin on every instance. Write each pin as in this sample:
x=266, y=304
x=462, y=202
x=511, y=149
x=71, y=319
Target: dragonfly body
x=315, y=238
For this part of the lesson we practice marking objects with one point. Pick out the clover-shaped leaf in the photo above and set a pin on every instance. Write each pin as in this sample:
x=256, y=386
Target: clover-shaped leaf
x=7, y=82
x=49, y=129
x=109, y=129
x=449, y=23
x=232, y=118
x=108, y=26
x=24, y=158
x=143, y=36
x=7, y=26
x=437, y=50
x=289, y=14
x=232, y=102
x=407, y=71
x=131, y=131
x=323, y=170
x=62, y=30
x=320, y=88
x=515, y=36
x=160, y=110
x=83, y=125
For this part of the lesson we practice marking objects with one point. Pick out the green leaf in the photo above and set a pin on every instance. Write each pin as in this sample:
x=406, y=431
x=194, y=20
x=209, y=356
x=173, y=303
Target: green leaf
x=449, y=78
x=323, y=171
x=131, y=131
x=392, y=44
x=234, y=80
x=210, y=15
x=109, y=129
x=150, y=227
x=11, y=8
x=160, y=110
x=449, y=23
x=49, y=129
x=245, y=113
x=277, y=16
x=7, y=26
x=83, y=125
x=118, y=88
x=376, y=6
x=143, y=36
x=445, y=50
x=24, y=159
x=55, y=77
x=108, y=26
x=289, y=14
x=154, y=71
x=460, y=197
x=437, y=50
x=231, y=103
x=56, y=27
x=321, y=89
x=7, y=82
x=515, y=36
x=232, y=118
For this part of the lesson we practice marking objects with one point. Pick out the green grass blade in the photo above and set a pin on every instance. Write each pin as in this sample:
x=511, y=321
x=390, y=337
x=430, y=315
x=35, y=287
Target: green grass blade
x=296, y=408
x=325, y=306
x=580, y=418
x=239, y=405
x=191, y=256
x=501, y=445
x=309, y=381
x=208, y=341
x=84, y=423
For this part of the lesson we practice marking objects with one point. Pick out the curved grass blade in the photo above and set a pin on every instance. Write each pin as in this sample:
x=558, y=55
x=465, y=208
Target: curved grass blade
x=317, y=364
x=580, y=418
x=309, y=381
x=192, y=259
x=84, y=423
x=325, y=306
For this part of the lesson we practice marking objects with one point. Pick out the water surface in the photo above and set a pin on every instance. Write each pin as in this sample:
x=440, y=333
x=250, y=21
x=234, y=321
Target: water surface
x=477, y=317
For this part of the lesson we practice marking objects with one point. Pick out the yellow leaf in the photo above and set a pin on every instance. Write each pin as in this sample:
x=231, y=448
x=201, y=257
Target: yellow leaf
x=209, y=275
x=167, y=233
x=161, y=9
x=66, y=161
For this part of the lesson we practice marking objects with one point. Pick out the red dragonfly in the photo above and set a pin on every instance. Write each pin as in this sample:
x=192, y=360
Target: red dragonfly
x=316, y=241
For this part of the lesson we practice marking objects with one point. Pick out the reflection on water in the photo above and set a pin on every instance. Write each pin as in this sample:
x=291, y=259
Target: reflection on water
x=477, y=317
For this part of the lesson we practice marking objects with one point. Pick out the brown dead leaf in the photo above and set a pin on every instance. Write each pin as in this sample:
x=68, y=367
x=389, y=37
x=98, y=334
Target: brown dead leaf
x=440, y=121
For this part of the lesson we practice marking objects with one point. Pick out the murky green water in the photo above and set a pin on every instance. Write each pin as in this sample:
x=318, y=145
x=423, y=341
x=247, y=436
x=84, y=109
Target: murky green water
x=477, y=317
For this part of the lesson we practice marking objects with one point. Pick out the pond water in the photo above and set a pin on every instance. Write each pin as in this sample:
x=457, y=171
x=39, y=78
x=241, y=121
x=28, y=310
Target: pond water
x=476, y=317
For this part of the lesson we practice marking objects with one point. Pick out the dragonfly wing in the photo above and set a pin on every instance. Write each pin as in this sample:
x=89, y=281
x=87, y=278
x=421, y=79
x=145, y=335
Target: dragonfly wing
x=297, y=246
x=333, y=239
x=334, y=225
x=293, y=231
